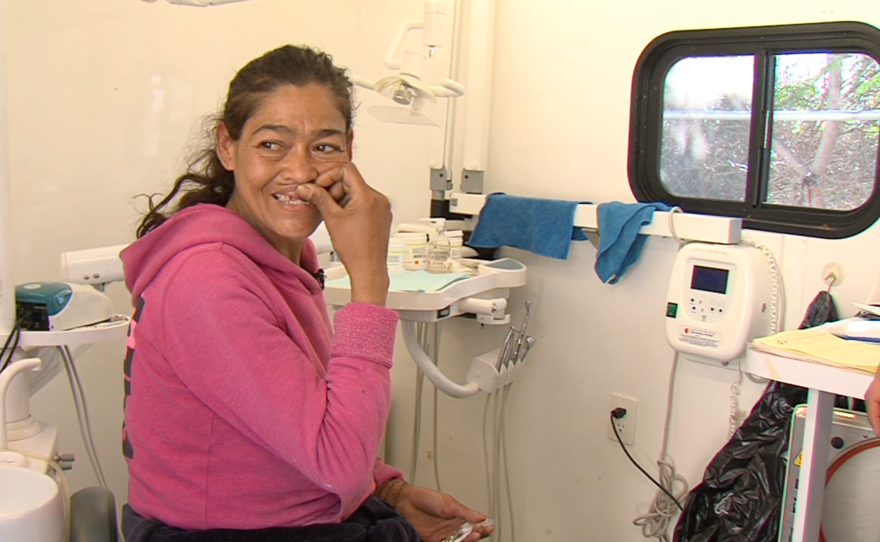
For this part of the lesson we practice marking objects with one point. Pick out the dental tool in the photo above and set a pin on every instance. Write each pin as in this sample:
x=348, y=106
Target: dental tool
x=526, y=347
x=522, y=332
x=505, y=350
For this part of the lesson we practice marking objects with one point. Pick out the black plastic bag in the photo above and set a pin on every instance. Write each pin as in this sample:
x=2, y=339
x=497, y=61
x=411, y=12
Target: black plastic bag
x=740, y=497
x=820, y=311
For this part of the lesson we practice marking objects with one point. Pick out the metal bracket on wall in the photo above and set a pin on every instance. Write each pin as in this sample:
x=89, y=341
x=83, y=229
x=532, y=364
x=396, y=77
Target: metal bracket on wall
x=440, y=180
x=472, y=181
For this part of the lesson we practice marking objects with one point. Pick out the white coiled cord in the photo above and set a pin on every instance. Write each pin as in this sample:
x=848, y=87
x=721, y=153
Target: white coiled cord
x=735, y=415
x=777, y=303
x=655, y=524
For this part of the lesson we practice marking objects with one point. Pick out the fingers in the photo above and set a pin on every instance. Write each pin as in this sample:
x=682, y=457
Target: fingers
x=480, y=531
x=874, y=420
x=332, y=181
x=358, y=219
x=317, y=196
x=872, y=401
x=467, y=514
x=460, y=511
x=343, y=179
x=341, y=184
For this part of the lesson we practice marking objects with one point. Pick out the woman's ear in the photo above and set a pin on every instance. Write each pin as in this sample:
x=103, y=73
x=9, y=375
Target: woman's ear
x=350, y=144
x=225, y=147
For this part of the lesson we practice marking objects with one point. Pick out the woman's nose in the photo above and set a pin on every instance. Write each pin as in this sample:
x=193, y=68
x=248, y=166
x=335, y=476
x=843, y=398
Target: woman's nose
x=299, y=166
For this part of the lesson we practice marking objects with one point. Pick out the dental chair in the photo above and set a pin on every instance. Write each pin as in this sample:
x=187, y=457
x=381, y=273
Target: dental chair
x=93, y=516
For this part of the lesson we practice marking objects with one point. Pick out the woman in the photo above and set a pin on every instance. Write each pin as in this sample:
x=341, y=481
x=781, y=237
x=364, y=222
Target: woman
x=872, y=403
x=247, y=417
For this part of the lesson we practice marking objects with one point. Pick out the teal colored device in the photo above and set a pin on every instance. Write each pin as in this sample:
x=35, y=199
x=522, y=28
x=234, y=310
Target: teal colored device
x=59, y=306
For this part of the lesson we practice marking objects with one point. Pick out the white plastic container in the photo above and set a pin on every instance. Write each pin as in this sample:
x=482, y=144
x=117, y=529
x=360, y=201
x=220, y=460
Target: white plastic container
x=30, y=506
x=416, y=255
x=456, y=242
x=396, y=255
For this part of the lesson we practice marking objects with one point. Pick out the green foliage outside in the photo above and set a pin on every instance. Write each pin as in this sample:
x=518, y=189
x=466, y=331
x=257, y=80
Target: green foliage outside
x=821, y=156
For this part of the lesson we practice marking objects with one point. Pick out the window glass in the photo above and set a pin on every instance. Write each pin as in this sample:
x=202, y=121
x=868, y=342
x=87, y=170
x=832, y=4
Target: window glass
x=707, y=104
x=824, y=130
x=778, y=125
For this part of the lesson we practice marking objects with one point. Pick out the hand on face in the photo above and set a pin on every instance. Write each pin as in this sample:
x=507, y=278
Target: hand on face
x=358, y=219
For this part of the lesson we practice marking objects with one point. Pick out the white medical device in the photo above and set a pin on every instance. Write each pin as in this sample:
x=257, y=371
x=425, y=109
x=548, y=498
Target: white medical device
x=59, y=306
x=719, y=298
x=56, y=322
x=94, y=266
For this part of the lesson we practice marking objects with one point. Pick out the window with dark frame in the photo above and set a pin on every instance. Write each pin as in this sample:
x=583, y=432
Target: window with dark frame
x=778, y=125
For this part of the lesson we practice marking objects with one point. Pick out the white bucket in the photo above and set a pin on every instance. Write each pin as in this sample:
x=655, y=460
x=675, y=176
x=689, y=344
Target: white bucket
x=30, y=507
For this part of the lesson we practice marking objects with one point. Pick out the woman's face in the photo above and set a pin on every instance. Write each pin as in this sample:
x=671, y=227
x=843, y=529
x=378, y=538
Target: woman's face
x=295, y=135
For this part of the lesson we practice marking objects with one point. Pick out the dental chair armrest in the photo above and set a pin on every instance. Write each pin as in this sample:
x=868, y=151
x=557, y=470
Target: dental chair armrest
x=93, y=516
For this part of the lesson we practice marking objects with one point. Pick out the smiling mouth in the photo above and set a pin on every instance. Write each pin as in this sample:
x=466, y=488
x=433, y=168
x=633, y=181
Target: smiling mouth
x=287, y=200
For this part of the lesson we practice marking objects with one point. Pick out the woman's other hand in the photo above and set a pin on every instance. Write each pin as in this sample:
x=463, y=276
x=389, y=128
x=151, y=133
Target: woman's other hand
x=436, y=515
x=872, y=401
x=358, y=219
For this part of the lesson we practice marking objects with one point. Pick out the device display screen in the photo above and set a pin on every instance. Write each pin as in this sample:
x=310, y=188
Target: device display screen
x=709, y=279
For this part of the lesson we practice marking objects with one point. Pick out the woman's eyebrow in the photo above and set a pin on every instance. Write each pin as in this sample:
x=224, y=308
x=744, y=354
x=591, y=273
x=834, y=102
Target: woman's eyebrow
x=287, y=130
x=278, y=128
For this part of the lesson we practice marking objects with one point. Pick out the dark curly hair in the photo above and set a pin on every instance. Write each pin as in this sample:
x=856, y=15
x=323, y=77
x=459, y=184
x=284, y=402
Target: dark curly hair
x=206, y=180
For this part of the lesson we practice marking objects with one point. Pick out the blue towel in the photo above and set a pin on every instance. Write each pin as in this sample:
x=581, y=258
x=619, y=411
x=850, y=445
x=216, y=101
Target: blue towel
x=619, y=241
x=542, y=226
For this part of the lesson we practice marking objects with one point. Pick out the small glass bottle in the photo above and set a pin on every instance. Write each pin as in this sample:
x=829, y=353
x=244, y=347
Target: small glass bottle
x=439, y=253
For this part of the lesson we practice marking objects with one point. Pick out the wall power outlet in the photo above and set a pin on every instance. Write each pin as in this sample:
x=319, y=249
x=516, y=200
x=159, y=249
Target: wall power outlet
x=626, y=426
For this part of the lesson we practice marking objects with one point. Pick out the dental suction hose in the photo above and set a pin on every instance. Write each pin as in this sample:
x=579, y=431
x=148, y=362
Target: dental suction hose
x=444, y=384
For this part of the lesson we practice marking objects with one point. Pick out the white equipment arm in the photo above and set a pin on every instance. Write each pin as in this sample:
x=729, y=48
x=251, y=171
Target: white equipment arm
x=444, y=384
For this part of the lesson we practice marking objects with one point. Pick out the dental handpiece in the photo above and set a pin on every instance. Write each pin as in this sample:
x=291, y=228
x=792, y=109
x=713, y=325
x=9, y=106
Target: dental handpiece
x=526, y=347
x=522, y=332
x=505, y=350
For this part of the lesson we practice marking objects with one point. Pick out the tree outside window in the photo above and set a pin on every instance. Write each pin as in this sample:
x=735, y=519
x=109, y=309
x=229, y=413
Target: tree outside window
x=778, y=125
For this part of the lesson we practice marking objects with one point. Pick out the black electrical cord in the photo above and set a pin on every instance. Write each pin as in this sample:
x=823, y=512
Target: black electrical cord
x=620, y=413
x=16, y=332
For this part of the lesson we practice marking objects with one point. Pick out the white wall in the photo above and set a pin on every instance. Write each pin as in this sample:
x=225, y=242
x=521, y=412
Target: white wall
x=105, y=95
x=559, y=129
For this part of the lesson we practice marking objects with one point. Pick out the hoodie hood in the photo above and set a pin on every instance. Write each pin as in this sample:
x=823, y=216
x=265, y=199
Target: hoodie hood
x=209, y=224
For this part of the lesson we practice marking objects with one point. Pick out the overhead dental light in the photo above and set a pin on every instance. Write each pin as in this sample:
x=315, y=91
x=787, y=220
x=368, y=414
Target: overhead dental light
x=406, y=88
x=198, y=3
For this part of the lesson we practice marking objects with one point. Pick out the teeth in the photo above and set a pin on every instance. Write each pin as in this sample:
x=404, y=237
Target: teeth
x=287, y=200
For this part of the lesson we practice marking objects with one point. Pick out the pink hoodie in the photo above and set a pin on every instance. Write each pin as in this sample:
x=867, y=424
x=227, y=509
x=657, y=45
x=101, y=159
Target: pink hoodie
x=243, y=409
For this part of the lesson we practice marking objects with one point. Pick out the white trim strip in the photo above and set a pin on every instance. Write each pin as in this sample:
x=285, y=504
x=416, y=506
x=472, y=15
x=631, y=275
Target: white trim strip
x=693, y=227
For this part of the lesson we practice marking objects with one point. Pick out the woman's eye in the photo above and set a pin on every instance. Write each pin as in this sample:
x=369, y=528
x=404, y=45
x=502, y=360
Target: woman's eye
x=327, y=148
x=270, y=146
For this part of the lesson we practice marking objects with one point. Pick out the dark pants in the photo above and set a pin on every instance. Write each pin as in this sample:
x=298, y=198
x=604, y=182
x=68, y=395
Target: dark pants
x=374, y=521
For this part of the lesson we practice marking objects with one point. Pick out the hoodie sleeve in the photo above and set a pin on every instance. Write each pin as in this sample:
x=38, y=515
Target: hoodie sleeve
x=231, y=343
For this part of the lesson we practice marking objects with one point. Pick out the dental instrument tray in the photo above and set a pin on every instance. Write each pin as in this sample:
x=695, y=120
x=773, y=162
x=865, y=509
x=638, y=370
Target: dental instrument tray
x=482, y=290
